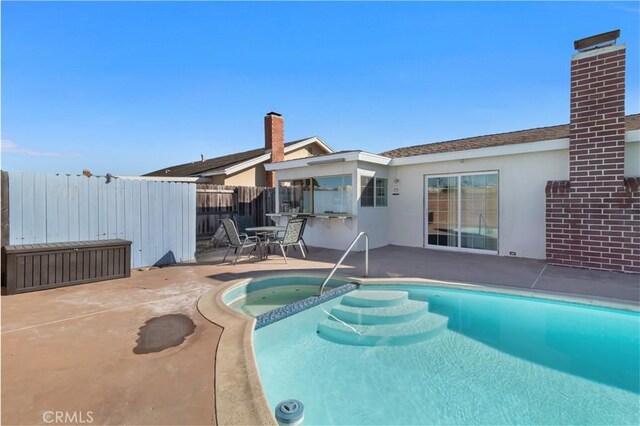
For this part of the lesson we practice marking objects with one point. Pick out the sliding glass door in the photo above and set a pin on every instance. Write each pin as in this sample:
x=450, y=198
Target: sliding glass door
x=442, y=211
x=462, y=211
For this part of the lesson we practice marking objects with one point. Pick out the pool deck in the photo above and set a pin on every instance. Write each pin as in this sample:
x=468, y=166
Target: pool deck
x=84, y=348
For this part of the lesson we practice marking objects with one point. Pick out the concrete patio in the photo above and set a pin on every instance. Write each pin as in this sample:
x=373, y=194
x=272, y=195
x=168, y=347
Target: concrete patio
x=93, y=348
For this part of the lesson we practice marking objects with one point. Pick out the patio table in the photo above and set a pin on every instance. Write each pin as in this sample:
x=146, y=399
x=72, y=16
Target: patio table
x=265, y=232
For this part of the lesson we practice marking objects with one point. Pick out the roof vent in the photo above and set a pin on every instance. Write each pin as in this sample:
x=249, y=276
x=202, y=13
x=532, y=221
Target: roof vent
x=596, y=41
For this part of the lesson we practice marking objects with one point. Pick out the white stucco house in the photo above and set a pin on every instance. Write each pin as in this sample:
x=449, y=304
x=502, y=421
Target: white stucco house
x=486, y=194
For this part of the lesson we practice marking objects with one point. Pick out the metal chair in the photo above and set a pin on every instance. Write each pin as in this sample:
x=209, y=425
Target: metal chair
x=238, y=241
x=292, y=237
x=279, y=234
x=304, y=226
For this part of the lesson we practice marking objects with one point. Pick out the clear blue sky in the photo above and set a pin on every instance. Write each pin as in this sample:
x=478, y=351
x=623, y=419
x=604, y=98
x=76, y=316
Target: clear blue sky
x=128, y=88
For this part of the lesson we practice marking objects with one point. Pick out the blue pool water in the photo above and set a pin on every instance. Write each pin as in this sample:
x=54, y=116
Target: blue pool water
x=500, y=359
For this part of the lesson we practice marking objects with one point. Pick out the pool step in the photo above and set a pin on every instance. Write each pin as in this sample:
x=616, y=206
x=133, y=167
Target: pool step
x=407, y=311
x=375, y=298
x=380, y=317
x=417, y=330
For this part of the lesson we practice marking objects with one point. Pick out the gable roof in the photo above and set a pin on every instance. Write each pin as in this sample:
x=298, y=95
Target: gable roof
x=217, y=165
x=632, y=122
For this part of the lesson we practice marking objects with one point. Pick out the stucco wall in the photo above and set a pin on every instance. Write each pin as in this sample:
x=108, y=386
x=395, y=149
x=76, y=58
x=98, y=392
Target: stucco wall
x=247, y=177
x=522, y=180
x=632, y=159
x=373, y=220
x=300, y=153
x=255, y=176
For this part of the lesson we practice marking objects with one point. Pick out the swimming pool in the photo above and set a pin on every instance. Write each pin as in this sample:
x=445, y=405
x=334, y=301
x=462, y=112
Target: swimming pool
x=465, y=357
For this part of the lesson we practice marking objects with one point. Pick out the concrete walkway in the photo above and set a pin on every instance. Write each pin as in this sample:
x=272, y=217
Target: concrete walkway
x=93, y=347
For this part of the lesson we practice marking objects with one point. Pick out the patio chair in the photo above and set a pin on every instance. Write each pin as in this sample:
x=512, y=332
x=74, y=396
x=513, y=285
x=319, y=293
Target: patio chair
x=292, y=237
x=237, y=241
x=304, y=226
x=280, y=234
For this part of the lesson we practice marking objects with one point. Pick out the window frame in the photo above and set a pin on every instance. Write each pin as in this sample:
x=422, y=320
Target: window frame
x=374, y=179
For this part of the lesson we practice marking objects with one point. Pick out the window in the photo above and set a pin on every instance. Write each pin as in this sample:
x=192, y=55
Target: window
x=321, y=195
x=332, y=195
x=381, y=192
x=295, y=196
x=366, y=196
x=373, y=192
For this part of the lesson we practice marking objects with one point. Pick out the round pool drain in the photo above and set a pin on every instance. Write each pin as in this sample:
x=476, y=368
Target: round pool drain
x=290, y=412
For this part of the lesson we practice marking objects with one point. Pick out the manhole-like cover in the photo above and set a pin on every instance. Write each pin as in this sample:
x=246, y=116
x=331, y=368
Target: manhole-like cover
x=160, y=333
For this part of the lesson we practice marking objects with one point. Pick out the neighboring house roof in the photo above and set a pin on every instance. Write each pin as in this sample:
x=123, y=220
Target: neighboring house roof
x=632, y=122
x=233, y=163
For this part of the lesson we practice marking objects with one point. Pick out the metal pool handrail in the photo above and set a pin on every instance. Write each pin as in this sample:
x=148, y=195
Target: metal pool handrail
x=346, y=252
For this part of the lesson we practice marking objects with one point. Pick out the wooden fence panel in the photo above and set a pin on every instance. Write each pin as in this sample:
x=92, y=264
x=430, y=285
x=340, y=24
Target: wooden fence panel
x=213, y=203
x=155, y=216
x=247, y=204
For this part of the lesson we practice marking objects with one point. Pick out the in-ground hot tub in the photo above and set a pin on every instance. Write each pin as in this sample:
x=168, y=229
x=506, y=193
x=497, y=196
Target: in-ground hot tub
x=263, y=295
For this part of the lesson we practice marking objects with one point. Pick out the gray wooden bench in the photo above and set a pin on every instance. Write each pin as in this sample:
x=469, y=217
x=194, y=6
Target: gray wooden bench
x=31, y=267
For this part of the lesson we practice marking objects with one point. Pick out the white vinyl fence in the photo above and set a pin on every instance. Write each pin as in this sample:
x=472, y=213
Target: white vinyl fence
x=159, y=218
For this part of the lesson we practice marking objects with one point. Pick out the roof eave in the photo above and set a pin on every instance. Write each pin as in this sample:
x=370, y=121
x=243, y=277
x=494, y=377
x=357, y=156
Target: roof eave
x=494, y=151
x=236, y=168
x=308, y=141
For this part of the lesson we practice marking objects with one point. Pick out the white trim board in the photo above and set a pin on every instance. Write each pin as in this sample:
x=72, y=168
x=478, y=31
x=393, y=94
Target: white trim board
x=339, y=157
x=494, y=151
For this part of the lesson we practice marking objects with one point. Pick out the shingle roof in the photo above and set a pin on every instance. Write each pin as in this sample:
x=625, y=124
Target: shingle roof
x=197, y=167
x=522, y=136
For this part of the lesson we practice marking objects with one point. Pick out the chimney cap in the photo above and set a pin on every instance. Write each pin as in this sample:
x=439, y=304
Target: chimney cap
x=277, y=114
x=599, y=40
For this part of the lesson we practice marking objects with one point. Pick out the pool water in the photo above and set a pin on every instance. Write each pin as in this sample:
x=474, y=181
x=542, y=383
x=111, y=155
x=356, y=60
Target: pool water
x=500, y=360
x=266, y=300
x=261, y=295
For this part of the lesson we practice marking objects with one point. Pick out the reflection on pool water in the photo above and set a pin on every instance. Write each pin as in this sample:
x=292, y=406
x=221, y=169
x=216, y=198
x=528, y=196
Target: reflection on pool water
x=499, y=359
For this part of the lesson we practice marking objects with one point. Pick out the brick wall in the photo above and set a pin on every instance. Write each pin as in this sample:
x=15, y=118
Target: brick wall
x=593, y=219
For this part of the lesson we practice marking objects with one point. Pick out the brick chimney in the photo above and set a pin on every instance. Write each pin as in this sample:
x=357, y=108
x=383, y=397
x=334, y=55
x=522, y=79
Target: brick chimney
x=591, y=219
x=274, y=141
x=596, y=135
